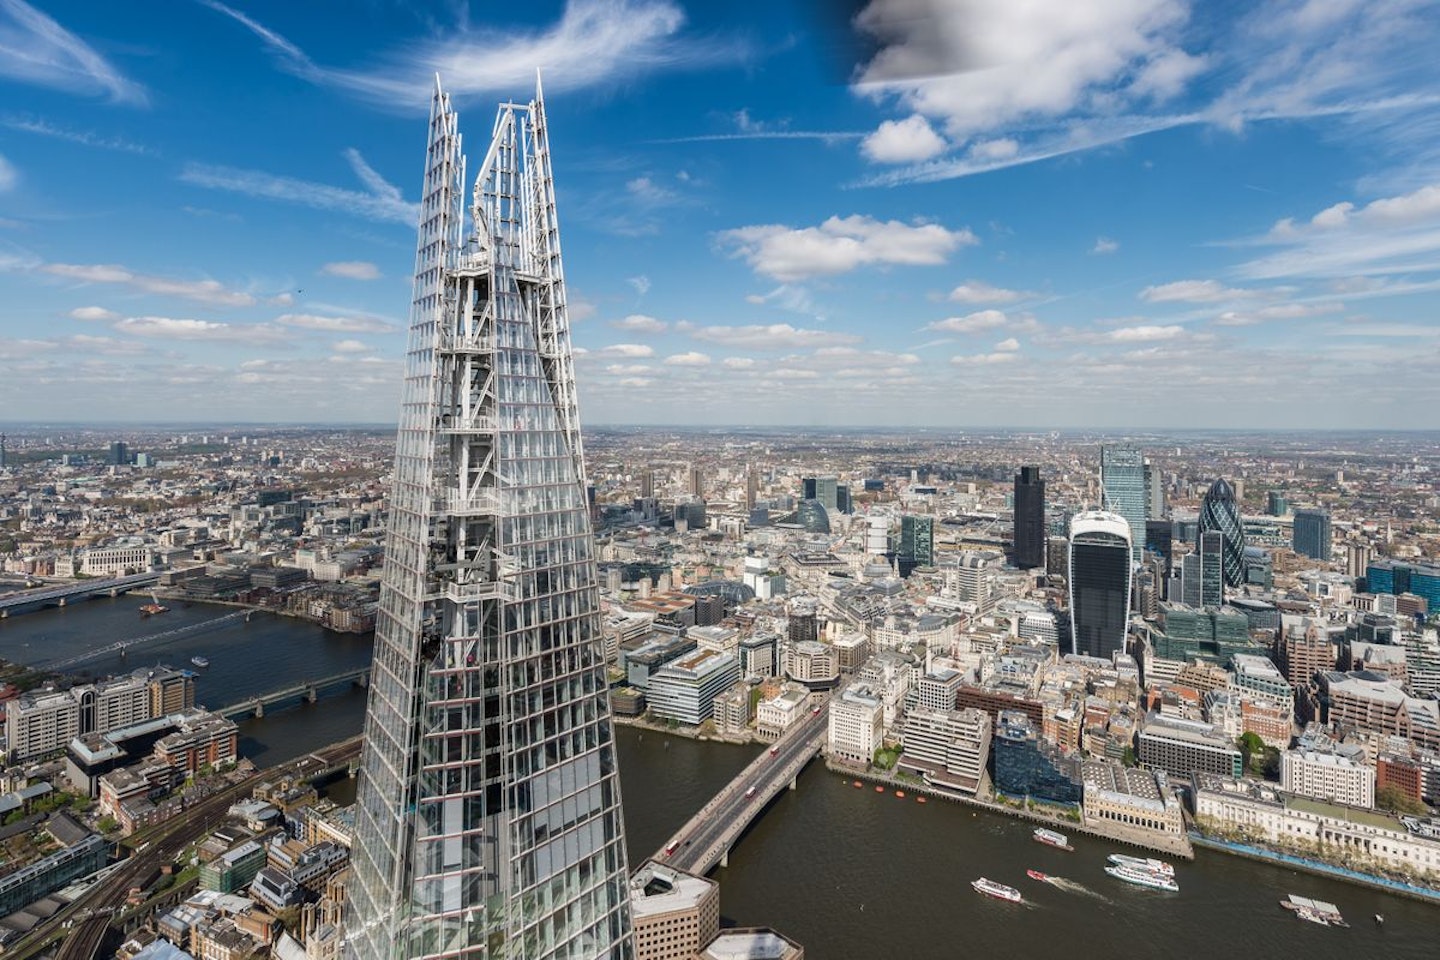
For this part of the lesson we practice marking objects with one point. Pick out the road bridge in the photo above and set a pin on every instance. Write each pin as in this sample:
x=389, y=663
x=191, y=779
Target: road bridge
x=306, y=690
x=61, y=595
x=705, y=842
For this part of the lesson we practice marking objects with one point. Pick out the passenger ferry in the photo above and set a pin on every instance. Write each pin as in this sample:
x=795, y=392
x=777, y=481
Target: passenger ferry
x=1148, y=864
x=199, y=661
x=1053, y=839
x=1144, y=878
x=997, y=890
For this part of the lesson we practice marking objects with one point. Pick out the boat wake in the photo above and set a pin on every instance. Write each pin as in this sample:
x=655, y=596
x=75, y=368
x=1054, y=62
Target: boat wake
x=1072, y=886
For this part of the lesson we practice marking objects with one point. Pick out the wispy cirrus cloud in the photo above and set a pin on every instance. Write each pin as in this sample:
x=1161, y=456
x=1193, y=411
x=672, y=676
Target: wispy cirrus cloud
x=352, y=270
x=9, y=176
x=1195, y=291
x=335, y=324
x=35, y=49
x=775, y=336
x=201, y=291
x=594, y=42
x=180, y=328
x=45, y=128
x=640, y=323
x=380, y=200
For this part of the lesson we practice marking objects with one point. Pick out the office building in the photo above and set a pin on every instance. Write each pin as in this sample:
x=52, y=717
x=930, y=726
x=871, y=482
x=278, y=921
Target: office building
x=1028, y=766
x=1312, y=534
x=119, y=453
x=676, y=913
x=856, y=723
x=949, y=748
x=488, y=809
x=812, y=516
x=1122, y=483
x=1155, y=506
x=647, y=484
x=1181, y=747
x=1099, y=579
x=697, y=483
x=917, y=543
x=1276, y=504
x=1029, y=519
x=1159, y=541
x=751, y=943
x=1219, y=513
x=824, y=489
x=1207, y=572
x=1393, y=578
x=752, y=487
x=685, y=690
x=1332, y=774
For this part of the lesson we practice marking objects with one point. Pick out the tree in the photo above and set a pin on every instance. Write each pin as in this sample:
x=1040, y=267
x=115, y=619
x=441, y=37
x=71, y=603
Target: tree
x=1394, y=799
x=1251, y=747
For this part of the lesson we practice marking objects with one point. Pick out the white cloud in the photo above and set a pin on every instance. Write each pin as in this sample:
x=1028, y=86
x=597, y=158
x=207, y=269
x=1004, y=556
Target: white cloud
x=841, y=244
x=640, y=323
x=635, y=382
x=984, y=359
x=775, y=336
x=903, y=141
x=1104, y=245
x=1194, y=291
x=94, y=313
x=978, y=291
x=351, y=346
x=202, y=291
x=9, y=176
x=1145, y=333
x=628, y=350
x=171, y=328
x=1279, y=311
x=380, y=200
x=989, y=151
x=44, y=128
x=352, y=270
x=627, y=369
x=34, y=49
x=689, y=359
x=738, y=363
x=788, y=296
x=640, y=283
x=595, y=43
x=1008, y=345
x=310, y=321
x=971, y=323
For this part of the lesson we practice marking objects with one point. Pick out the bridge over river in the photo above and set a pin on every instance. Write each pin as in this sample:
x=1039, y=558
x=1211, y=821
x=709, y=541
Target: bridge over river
x=705, y=842
x=63, y=594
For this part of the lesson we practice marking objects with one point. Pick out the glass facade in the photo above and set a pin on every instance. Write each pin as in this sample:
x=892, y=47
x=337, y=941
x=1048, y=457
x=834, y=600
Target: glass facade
x=1026, y=766
x=917, y=540
x=1100, y=568
x=1389, y=576
x=1122, y=479
x=1029, y=519
x=488, y=806
x=811, y=516
x=1312, y=534
x=1219, y=514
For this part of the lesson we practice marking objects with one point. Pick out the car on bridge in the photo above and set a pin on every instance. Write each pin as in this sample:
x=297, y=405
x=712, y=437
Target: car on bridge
x=750, y=794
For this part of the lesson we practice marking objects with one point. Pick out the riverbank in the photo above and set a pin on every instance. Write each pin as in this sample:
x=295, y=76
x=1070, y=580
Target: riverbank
x=686, y=733
x=1176, y=846
x=1344, y=874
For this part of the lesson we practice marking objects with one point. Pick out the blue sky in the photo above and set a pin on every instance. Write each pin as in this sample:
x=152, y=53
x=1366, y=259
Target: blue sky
x=1138, y=213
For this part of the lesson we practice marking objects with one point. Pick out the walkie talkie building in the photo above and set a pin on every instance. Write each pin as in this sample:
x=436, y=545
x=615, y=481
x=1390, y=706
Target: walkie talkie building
x=488, y=813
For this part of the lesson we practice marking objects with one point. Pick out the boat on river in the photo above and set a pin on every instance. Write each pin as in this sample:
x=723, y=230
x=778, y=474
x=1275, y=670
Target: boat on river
x=1053, y=839
x=1322, y=909
x=1149, y=864
x=199, y=661
x=1144, y=878
x=1036, y=875
x=997, y=890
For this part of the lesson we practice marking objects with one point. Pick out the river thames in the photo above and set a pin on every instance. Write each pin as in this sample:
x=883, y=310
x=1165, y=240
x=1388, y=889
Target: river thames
x=847, y=872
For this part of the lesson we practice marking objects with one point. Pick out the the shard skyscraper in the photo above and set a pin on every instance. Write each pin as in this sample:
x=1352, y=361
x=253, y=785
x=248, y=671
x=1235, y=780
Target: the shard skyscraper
x=488, y=815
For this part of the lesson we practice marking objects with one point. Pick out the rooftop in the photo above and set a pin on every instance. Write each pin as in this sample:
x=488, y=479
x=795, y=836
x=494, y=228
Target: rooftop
x=656, y=888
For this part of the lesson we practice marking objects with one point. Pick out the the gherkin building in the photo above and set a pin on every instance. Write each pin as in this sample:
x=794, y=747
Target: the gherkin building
x=1218, y=511
x=488, y=810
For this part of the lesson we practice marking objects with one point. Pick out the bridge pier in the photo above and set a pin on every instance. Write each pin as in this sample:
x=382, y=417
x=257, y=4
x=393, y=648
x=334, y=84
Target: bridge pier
x=793, y=781
x=61, y=601
x=309, y=694
x=363, y=681
x=259, y=710
x=725, y=858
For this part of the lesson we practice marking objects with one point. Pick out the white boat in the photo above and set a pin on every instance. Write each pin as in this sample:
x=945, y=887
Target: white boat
x=997, y=890
x=1053, y=839
x=1143, y=863
x=1304, y=913
x=1143, y=878
x=200, y=661
x=1321, y=910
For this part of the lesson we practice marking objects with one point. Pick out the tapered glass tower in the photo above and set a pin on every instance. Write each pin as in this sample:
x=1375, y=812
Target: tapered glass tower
x=1220, y=514
x=488, y=814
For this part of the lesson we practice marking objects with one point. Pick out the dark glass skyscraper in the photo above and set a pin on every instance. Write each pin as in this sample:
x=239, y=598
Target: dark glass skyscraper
x=1220, y=514
x=1100, y=569
x=1311, y=536
x=487, y=817
x=1029, y=519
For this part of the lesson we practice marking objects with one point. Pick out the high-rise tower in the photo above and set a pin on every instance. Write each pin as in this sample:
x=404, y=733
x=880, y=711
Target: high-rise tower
x=1099, y=575
x=1029, y=519
x=1218, y=513
x=488, y=810
x=1122, y=481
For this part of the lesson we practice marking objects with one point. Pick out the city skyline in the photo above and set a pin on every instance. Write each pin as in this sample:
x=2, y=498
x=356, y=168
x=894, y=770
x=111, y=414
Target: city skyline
x=1179, y=216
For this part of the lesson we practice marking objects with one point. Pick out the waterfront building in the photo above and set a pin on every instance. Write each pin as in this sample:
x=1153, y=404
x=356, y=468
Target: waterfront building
x=751, y=943
x=856, y=724
x=676, y=913
x=1028, y=766
x=1029, y=518
x=685, y=689
x=1311, y=534
x=1099, y=580
x=774, y=715
x=1136, y=801
x=1327, y=831
x=488, y=805
x=1338, y=774
x=1219, y=513
x=1180, y=747
x=949, y=748
x=1122, y=482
